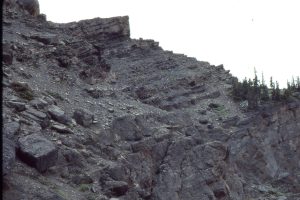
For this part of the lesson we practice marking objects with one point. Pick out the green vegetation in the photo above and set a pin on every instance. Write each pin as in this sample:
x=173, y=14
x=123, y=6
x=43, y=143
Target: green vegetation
x=220, y=110
x=84, y=187
x=60, y=193
x=23, y=90
x=256, y=91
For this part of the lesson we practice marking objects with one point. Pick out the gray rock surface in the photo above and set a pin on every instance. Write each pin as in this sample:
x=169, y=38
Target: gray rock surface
x=58, y=115
x=8, y=156
x=116, y=188
x=7, y=54
x=167, y=127
x=10, y=129
x=83, y=117
x=31, y=6
x=37, y=151
x=19, y=106
x=38, y=103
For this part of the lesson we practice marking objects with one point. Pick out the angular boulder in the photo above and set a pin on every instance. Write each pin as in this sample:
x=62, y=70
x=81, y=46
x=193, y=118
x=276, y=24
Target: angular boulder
x=37, y=152
x=58, y=115
x=83, y=117
x=37, y=116
x=127, y=128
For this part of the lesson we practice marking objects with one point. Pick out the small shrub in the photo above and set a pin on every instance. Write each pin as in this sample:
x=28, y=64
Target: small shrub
x=23, y=90
x=84, y=187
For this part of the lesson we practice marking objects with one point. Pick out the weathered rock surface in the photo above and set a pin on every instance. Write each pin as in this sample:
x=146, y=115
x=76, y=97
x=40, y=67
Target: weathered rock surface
x=31, y=6
x=10, y=129
x=37, y=151
x=7, y=54
x=83, y=117
x=58, y=115
x=164, y=125
x=116, y=188
x=8, y=156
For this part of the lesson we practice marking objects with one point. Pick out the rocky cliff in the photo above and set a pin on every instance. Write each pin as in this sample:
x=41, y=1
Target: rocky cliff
x=89, y=113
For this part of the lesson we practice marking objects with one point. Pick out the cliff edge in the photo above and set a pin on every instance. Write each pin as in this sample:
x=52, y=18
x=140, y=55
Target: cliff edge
x=89, y=113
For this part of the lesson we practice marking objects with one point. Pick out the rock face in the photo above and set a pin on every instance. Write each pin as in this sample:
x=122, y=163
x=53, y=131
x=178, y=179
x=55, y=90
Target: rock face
x=37, y=151
x=31, y=6
x=8, y=156
x=146, y=123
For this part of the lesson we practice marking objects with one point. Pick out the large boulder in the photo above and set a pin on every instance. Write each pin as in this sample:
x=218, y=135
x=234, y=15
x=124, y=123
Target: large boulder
x=37, y=152
x=83, y=117
x=127, y=128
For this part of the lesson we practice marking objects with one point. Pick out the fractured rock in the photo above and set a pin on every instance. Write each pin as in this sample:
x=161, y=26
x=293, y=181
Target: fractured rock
x=38, y=103
x=37, y=113
x=19, y=106
x=37, y=152
x=83, y=117
x=31, y=6
x=116, y=188
x=37, y=116
x=46, y=39
x=61, y=129
x=127, y=128
x=58, y=115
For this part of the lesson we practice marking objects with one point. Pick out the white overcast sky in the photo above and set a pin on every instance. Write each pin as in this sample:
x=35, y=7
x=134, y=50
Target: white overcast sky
x=241, y=34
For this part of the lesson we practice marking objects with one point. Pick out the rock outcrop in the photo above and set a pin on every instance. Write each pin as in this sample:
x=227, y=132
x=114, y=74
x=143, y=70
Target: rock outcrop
x=94, y=114
x=37, y=151
x=31, y=6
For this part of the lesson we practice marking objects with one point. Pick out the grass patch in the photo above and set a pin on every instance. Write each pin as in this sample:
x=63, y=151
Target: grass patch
x=60, y=193
x=84, y=187
x=23, y=90
x=220, y=110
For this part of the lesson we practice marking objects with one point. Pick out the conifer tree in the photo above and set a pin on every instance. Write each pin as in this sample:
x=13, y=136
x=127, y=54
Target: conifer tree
x=237, y=90
x=264, y=90
x=277, y=92
x=293, y=84
x=287, y=91
x=252, y=95
x=272, y=86
x=245, y=88
x=256, y=85
x=288, y=85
